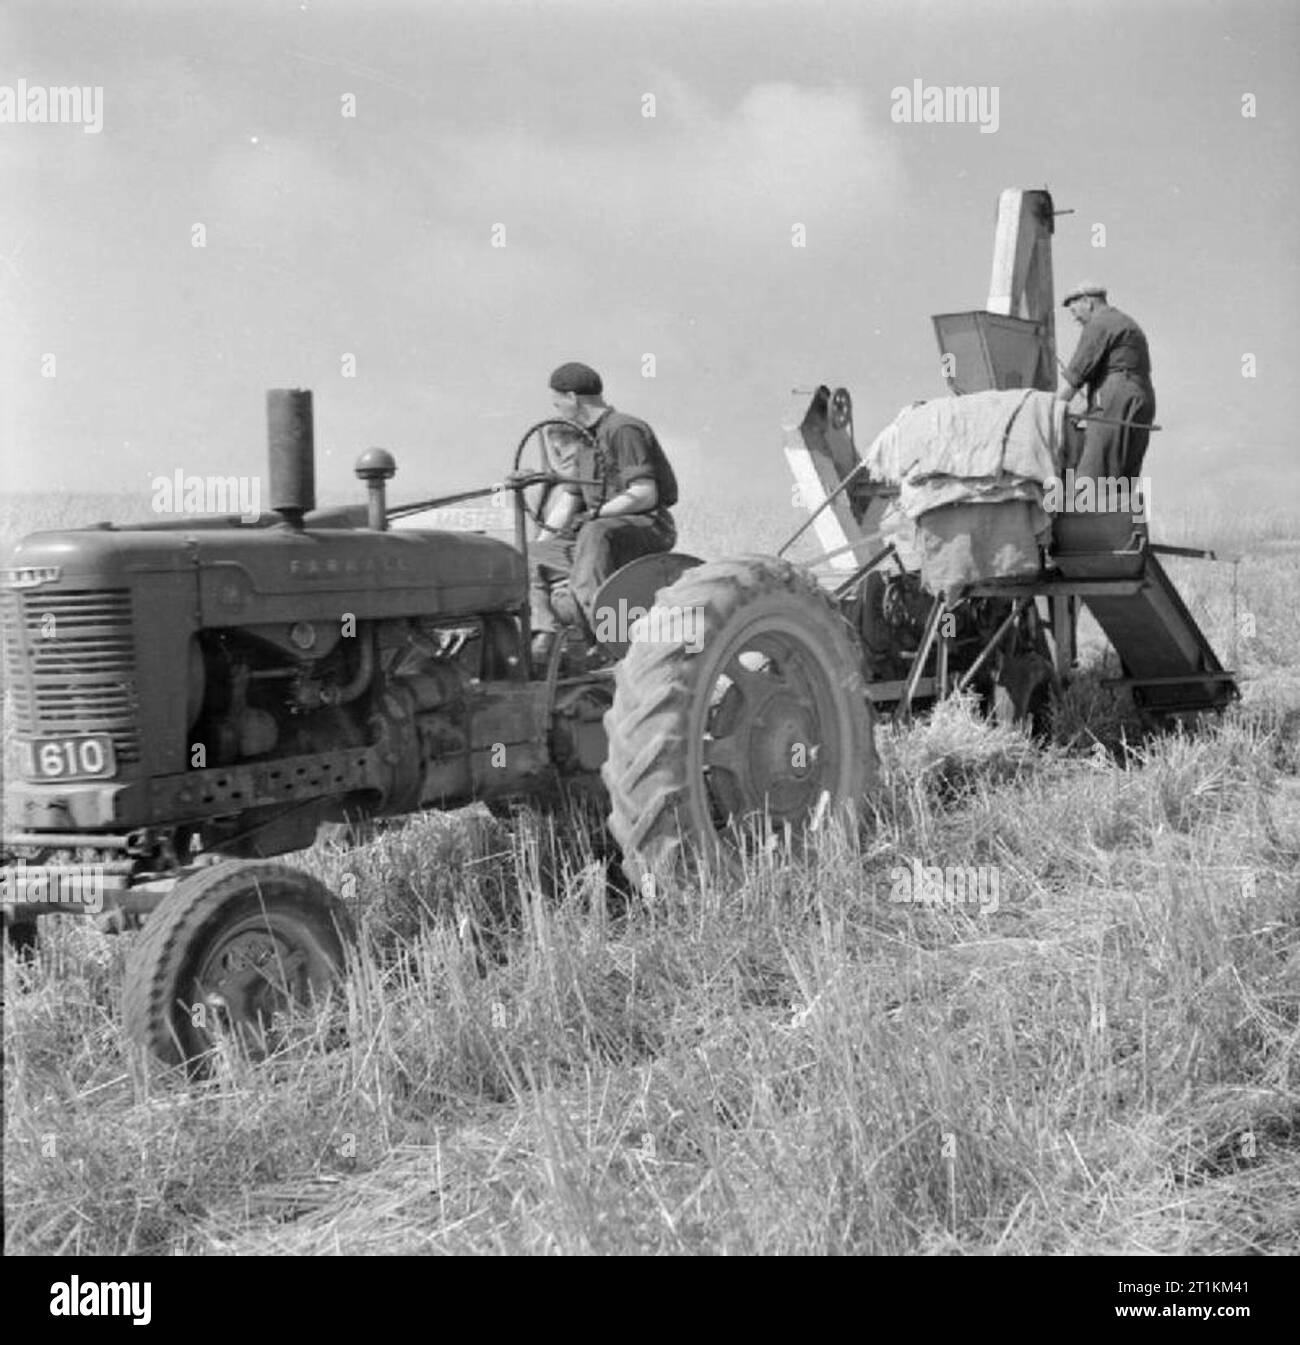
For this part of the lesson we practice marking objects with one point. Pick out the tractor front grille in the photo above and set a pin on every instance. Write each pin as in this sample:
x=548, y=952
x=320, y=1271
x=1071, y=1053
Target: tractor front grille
x=69, y=659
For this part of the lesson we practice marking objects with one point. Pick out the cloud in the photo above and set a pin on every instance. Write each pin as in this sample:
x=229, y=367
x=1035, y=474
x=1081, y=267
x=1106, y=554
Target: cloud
x=783, y=154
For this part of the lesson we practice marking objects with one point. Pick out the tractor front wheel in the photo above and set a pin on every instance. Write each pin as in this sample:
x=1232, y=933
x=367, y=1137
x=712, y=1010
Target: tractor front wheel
x=232, y=948
x=741, y=699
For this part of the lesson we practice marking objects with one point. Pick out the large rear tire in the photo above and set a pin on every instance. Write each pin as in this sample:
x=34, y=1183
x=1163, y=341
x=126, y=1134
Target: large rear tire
x=742, y=700
x=237, y=945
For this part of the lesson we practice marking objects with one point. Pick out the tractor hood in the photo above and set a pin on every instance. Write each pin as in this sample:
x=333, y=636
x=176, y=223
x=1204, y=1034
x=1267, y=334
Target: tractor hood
x=260, y=573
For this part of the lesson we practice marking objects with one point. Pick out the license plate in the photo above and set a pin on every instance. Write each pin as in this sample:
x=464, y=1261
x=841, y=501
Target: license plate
x=88, y=758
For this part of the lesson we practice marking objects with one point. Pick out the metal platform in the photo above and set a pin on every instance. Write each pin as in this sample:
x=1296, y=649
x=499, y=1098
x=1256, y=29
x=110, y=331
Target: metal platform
x=1166, y=657
x=1107, y=562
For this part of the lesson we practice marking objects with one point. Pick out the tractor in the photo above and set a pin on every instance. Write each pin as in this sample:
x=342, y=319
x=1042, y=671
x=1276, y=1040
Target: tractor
x=192, y=698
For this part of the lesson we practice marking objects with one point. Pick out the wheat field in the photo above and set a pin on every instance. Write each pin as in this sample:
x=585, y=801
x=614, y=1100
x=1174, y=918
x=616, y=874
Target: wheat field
x=791, y=1062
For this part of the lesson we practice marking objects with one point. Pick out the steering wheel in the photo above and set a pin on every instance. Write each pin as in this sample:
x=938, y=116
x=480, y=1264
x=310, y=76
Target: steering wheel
x=546, y=477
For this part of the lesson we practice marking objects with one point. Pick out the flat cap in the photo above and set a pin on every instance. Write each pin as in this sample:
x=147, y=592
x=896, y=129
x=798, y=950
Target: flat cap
x=1082, y=290
x=579, y=378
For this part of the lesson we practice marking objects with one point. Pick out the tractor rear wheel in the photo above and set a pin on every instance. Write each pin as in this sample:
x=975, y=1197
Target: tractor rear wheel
x=235, y=946
x=742, y=699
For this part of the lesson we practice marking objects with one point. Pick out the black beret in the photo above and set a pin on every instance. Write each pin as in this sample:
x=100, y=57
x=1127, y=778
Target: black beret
x=579, y=378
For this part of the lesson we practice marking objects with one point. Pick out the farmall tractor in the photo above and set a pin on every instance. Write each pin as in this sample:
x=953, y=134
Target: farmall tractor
x=191, y=698
x=194, y=697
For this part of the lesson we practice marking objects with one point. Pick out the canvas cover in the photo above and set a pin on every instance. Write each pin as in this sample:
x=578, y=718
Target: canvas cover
x=961, y=544
x=971, y=472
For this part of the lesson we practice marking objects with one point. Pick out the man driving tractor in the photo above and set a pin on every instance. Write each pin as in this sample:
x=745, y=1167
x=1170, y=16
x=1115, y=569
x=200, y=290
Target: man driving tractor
x=618, y=512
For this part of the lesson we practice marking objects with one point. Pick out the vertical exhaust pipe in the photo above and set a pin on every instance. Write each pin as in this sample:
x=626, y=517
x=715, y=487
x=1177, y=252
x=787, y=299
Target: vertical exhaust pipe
x=291, y=453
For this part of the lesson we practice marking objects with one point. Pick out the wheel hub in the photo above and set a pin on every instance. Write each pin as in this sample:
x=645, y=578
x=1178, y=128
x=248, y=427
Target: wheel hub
x=251, y=976
x=762, y=750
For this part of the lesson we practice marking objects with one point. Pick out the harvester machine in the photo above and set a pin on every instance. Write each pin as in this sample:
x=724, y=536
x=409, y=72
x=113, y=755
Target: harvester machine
x=957, y=583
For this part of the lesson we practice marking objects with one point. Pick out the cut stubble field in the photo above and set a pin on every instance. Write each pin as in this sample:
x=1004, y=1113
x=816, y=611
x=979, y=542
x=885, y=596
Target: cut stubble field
x=1108, y=1060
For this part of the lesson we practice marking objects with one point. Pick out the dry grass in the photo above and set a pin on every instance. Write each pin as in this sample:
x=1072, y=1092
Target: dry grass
x=1108, y=1062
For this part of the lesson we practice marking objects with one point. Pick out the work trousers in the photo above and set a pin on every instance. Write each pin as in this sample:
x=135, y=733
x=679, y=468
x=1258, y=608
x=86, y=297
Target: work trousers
x=1118, y=450
x=566, y=573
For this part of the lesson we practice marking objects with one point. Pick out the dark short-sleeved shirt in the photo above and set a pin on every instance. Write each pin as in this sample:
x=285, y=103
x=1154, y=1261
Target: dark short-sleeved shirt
x=626, y=451
x=1111, y=343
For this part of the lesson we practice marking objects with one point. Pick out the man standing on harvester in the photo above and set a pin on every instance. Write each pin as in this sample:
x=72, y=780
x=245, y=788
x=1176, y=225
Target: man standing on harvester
x=1112, y=359
x=597, y=528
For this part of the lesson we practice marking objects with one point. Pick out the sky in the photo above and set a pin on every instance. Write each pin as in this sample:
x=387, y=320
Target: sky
x=378, y=236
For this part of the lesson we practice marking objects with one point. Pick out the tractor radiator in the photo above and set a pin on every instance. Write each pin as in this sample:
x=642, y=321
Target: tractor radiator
x=69, y=662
